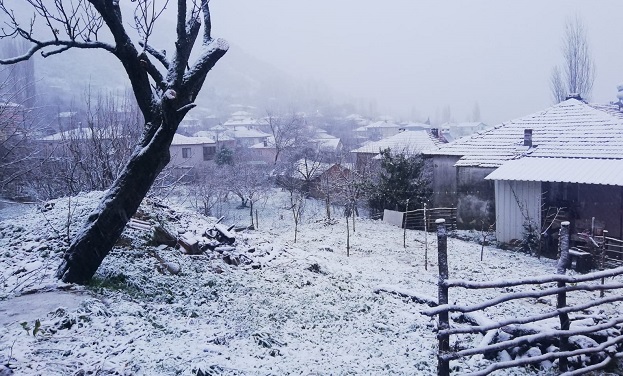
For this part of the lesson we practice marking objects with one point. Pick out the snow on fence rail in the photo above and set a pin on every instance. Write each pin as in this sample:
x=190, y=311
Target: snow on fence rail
x=599, y=354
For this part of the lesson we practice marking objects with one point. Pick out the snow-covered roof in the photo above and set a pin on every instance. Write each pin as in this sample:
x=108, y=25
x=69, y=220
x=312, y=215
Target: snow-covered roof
x=469, y=124
x=213, y=135
x=328, y=143
x=240, y=122
x=247, y=133
x=179, y=139
x=408, y=141
x=571, y=129
x=414, y=126
x=309, y=168
x=82, y=134
x=568, y=170
x=269, y=144
x=218, y=128
x=323, y=133
x=384, y=124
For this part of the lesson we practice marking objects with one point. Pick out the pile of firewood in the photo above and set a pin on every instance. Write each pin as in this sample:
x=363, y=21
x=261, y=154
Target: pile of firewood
x=218, y=238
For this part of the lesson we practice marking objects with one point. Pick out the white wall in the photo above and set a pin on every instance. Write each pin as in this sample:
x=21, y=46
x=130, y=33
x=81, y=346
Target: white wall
x=393, y=217
x=514, y=201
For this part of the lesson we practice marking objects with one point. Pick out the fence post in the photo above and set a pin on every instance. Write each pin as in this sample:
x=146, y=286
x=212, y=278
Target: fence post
x=443, y=366
x=602, y=256
x=425, y=240
x=404, y=225
x=563, y=261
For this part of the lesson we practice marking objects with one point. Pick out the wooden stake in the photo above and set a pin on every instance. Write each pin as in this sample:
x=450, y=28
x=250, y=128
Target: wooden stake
x=443, y=366
x=561, y=300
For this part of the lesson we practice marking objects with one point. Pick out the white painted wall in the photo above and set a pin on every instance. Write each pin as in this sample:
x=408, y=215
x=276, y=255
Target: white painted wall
x=393, y=217
x=514, y=201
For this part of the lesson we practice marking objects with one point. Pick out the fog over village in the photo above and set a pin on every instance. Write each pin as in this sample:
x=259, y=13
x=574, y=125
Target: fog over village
x=315, y=188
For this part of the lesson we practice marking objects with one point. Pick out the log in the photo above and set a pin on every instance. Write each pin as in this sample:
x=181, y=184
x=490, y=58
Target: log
x=138, y=224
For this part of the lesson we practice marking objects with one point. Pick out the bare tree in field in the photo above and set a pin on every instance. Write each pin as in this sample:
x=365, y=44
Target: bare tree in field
x=578, y=70
x=17, y=129
x=165, y=87
x=90, y=152
x=289, y=133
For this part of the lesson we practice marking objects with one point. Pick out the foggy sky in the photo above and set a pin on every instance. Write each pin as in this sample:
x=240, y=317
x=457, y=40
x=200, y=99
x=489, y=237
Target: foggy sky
x=416, y=57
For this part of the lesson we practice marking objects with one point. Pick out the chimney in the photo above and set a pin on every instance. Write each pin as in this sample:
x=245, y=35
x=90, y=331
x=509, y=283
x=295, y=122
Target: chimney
x=574, y=96
x=434, y=132
x=265, y=143
x=527, y=137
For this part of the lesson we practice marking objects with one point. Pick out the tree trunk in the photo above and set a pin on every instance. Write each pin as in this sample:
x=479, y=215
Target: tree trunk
x=105, y=225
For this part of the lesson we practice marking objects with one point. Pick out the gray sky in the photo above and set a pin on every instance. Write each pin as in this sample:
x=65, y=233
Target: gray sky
x=416, y=57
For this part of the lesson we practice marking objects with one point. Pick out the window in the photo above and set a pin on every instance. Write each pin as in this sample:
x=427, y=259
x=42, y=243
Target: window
x=185, y=152
x=209, y=152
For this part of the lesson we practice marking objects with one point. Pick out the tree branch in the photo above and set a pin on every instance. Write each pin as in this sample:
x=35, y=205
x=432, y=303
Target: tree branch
x=153, y=72
x=65, y=45
x=194, y=78
x=160, y=56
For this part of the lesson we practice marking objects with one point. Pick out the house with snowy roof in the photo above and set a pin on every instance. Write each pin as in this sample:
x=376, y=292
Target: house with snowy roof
x=246, y=137
x=407, y=142
x=381, y=129
x=567, y=158
x=191, y=153
x=458, y=130
x=319, y=179
x=240, y=120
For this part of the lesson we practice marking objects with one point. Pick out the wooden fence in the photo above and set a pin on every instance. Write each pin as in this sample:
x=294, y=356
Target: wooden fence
x=609, y=346
x=422, y=219
x=606, y=252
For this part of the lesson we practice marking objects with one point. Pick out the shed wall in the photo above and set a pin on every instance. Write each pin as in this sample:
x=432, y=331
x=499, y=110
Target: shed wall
x=516, y=202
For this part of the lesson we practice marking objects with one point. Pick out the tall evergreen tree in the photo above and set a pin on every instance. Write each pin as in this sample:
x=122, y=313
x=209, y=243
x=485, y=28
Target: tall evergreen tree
x=402, y=177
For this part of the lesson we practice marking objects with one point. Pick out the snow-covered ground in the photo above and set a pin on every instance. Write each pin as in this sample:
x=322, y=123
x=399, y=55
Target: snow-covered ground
x=300, y=308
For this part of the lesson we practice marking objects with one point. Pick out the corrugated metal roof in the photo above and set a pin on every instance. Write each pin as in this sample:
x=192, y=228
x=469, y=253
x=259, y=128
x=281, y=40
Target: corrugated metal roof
x=567, y=170
x=571, y=129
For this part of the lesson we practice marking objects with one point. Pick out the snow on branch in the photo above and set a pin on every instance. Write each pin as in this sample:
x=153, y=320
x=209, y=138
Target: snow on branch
x=534, y=280
x=554, y=333
x=207, y=22
x=524, y=320
x=64, y=46
x=209, y=56
x=519, y=295
x=549, y=356
x=158, y=55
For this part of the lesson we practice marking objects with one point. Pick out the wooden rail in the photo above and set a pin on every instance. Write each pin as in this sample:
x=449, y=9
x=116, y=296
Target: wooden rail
x=611, y=347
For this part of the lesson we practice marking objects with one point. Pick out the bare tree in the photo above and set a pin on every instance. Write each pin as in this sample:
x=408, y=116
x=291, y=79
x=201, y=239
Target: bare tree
x=164, y=95
x=208, y=190
x=89, y=152
x=578, y=70
x=249, y=182
x=289, y=133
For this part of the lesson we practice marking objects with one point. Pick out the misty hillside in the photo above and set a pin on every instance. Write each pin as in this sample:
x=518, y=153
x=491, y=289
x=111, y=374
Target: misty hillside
x=238, y=78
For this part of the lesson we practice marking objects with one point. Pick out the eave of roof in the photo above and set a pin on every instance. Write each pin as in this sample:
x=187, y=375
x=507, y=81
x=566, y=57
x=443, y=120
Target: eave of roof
x=567, y=170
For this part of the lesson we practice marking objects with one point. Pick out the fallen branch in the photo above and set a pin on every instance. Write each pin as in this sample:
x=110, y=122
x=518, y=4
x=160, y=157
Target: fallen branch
x=415, y=297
